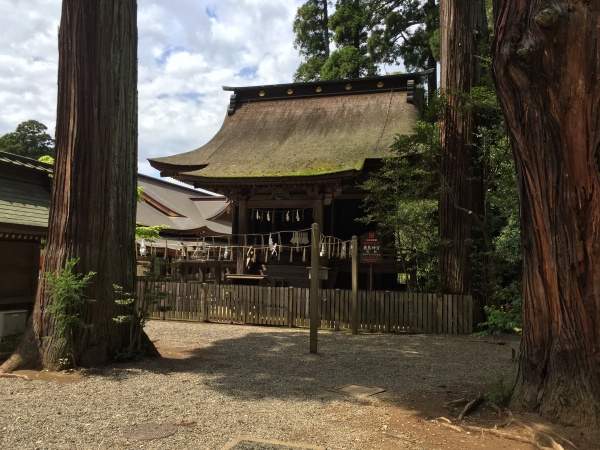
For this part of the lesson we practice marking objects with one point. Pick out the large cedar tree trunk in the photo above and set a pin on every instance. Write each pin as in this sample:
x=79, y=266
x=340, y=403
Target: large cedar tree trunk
x=547, y=69
x=462, y=29
x=92, y=213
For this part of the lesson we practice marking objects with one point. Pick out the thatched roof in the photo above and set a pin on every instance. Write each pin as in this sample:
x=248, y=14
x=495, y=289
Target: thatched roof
x=301, y=130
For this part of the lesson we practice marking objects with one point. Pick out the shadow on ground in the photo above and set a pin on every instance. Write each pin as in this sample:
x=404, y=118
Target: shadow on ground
x=245, y=361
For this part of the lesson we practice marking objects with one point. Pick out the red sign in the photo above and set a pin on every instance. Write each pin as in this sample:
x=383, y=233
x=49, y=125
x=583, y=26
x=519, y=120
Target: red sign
x=370, y=248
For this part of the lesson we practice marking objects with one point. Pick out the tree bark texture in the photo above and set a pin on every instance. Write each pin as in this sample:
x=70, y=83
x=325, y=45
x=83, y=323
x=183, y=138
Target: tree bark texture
x=462, y=27
x=92, y=213
x=547, y=69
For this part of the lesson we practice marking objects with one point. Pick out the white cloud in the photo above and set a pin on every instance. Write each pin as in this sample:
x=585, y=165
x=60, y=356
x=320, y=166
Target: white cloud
x=188, y=50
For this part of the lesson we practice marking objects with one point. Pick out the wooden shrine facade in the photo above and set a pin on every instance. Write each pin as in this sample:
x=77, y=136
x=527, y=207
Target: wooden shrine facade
x=295, y=154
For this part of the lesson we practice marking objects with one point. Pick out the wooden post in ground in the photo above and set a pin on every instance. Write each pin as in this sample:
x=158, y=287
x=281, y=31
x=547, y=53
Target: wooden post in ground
x=354, y=317
x=314, y=287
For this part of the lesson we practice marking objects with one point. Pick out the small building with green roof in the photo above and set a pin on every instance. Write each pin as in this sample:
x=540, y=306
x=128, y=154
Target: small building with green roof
x=25, y=186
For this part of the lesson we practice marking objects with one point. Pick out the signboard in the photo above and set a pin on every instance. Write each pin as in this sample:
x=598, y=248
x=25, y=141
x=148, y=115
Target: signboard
x=370, y=248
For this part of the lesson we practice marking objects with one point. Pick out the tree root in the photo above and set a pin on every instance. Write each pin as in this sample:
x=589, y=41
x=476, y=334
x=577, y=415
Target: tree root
x=14, y=375
x=539, y=436
x=495, y=408
x=457, y=402
x=448, y=423
x=544, y=433
x=470, y=407
x=149, y=347
x=26, y=355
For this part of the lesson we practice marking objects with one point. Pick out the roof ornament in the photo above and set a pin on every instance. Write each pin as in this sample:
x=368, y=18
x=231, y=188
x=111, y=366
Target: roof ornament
x=279, y=194
x=410, y=91
x=231, y=107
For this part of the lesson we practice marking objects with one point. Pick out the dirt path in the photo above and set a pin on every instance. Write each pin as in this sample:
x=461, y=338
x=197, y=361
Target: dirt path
x=425, y=419
x=230, y=381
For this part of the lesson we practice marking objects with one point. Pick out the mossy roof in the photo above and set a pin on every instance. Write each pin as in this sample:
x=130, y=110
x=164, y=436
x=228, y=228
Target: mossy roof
x=271, y=135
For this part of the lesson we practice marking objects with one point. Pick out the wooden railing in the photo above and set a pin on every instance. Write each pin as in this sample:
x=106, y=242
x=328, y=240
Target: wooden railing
x=378, y=311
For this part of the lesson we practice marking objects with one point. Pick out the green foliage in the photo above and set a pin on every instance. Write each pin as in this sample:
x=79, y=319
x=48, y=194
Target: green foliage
x=150, y=233
x=312, y=39
x=505, y=319
x=434, y=44
x=310, y=26
x=136, y=309
x=30, y=140
x=134, y=316
x=500, y=392
x=347, y=62
x=378, y=33
x=402, y=200
x=349, y=24
x=404, y=30
x=497, y=263
x=347, y=27
x=46, y=159
x=67, y=292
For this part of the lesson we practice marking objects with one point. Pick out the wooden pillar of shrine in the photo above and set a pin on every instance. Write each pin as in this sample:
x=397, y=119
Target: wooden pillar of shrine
x=318, y=212
x=242, y=230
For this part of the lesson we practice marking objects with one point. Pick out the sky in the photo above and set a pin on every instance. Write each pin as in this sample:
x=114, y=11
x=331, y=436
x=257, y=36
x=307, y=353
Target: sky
x=188, y=50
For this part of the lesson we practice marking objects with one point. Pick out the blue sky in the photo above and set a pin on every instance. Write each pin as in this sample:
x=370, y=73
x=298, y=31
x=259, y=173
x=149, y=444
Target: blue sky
x=188, y=50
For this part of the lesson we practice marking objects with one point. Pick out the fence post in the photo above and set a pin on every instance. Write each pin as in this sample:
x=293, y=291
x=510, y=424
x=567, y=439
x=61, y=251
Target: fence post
x=386, y=307
x=291, y=306
x=205, y=306
x=354, y=316
x=314, y=287
x=336, y=308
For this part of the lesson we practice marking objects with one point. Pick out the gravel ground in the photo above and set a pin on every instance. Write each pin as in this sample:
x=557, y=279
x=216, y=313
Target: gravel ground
x=220, y=382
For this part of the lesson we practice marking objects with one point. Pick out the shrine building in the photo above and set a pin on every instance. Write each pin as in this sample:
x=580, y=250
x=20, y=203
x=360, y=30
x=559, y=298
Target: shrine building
x=290, y=155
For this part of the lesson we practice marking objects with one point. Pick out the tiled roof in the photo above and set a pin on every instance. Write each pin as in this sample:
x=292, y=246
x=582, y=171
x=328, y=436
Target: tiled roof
x=28, y=163
x=23, y=203
x=181, y=209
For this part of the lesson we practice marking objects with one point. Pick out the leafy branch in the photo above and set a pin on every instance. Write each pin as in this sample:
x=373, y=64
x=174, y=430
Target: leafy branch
x=67, y=292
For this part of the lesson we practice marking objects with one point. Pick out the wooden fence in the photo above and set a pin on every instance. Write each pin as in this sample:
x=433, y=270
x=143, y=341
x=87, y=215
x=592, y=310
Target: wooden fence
x=378, y=311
